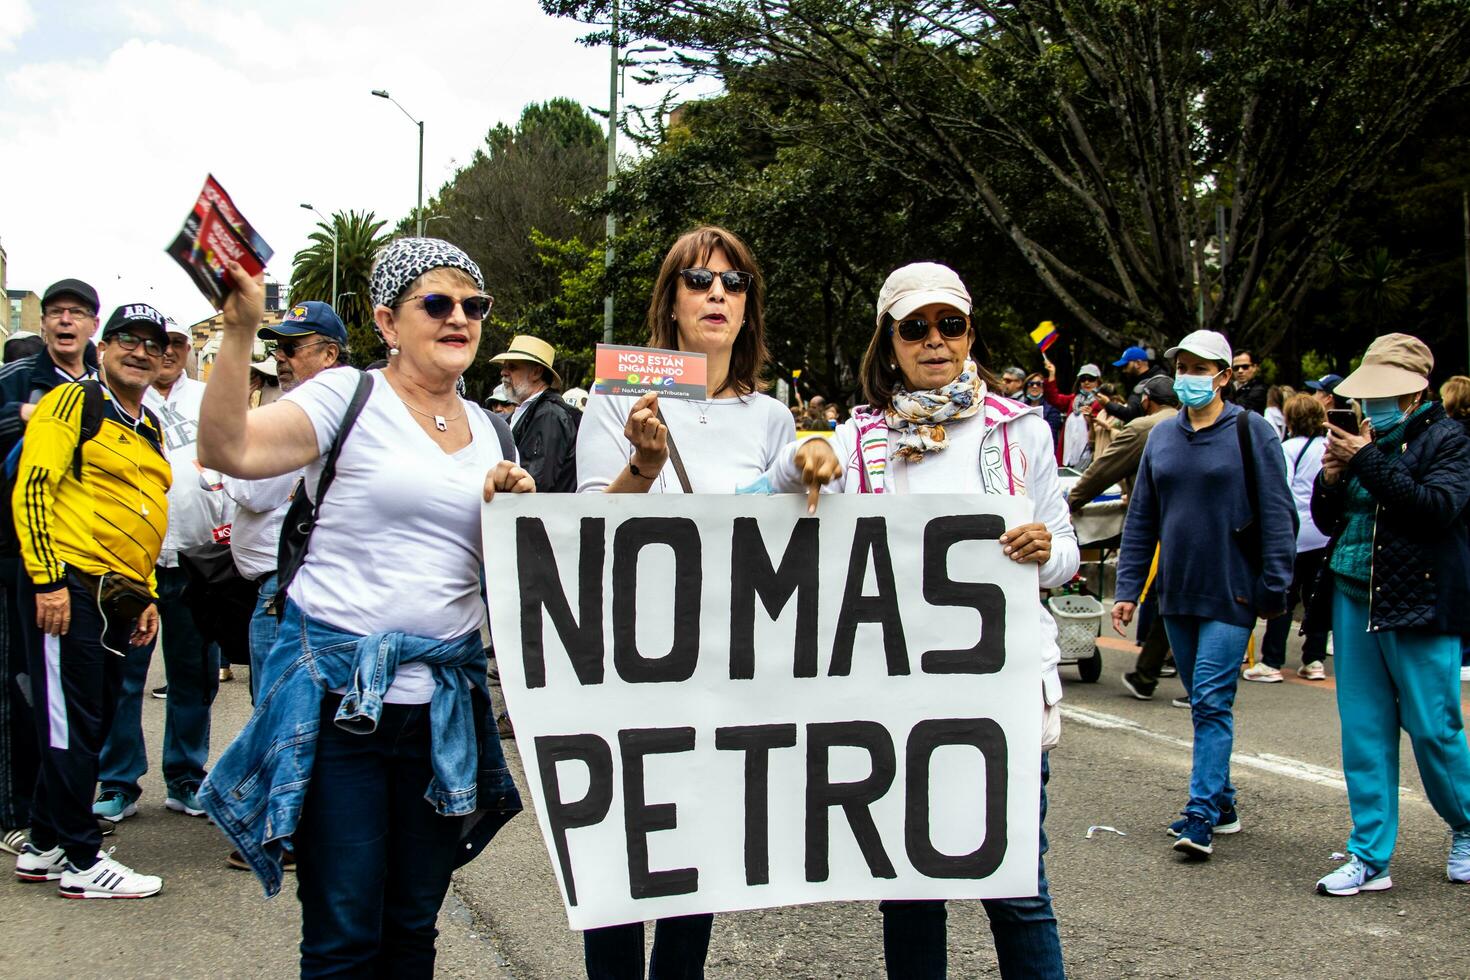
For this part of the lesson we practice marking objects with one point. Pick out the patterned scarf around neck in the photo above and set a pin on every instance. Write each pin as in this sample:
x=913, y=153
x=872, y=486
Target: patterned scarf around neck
x=917, y=417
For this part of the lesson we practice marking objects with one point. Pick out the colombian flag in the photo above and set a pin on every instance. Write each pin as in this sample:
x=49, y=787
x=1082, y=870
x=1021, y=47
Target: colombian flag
x=1045, y=335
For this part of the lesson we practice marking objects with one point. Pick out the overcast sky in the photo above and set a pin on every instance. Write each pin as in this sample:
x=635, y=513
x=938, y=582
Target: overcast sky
x=111, y=114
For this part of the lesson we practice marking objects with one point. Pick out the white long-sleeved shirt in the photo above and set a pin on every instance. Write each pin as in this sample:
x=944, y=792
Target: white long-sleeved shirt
x=974, y=462
x=260, y=508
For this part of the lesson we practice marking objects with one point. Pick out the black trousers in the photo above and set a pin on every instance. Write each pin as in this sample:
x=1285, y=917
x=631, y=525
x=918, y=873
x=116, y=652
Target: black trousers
x=18, y=762
x=75, y=681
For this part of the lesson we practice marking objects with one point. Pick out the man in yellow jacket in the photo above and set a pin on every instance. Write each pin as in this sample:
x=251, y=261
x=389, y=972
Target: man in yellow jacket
x=91, y=507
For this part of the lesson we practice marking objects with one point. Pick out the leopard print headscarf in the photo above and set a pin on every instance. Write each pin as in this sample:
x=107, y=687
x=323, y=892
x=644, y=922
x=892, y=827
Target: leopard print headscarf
x=403, y=260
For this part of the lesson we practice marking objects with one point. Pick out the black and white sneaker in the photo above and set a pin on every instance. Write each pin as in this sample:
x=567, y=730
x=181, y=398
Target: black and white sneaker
x=34, y=864
x=107, y=879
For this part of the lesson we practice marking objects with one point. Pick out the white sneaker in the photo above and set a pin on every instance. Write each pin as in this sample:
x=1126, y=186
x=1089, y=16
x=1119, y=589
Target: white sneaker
x=1180, y=702
x=107, y=879
x=34, y=864
x=1314, y=671
x=1262, y=674
x=1465, y=673
x=13, y=840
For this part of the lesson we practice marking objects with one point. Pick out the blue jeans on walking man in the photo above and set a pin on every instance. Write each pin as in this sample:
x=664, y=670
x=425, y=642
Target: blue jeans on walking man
x=191, y=669
x=1208, y=654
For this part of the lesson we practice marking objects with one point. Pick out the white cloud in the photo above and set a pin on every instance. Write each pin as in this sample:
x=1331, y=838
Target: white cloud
x=16, y=18
x=102, y=158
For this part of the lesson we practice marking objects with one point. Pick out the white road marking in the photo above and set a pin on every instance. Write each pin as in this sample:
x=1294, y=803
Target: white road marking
x=1280, y=765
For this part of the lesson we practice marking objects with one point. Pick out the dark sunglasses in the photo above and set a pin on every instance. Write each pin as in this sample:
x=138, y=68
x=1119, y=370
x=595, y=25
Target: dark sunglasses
x=1035, y=384
x=950, y=328
x=698, y=280
x=290, y=348
x=439, y=306
x=130, y=342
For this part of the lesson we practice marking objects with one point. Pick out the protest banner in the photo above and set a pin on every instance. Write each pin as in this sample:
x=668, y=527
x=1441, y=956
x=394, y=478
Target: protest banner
x=621, y=370
x=725, y=703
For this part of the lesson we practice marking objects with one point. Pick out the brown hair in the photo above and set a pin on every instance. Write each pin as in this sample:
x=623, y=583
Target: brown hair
x=1305, y=416
x=1455, y=393
x=880, y=374
x=749, y=356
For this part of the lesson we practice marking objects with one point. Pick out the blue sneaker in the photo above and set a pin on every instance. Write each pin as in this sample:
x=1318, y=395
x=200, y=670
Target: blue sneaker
x=184, y=799
x=1354, y=877
x=114, y=806
x=1229, y=823
x=1458, y=866
x=1195, y=838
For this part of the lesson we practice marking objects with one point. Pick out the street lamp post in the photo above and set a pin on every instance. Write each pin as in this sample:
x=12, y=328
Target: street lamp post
x=332, y=227
x=612, y=180
x=419, y=207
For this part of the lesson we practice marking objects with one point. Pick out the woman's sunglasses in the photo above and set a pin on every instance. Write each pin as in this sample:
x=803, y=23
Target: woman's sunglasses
x=439, y=306
x=950, y=328
x=698, y=280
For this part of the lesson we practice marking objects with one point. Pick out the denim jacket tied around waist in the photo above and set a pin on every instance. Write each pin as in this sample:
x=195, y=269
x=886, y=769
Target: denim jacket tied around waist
x=256, y=790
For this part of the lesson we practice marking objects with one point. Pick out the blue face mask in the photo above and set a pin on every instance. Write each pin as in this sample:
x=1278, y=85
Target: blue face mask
x=1384, y=413
x=1195, y=390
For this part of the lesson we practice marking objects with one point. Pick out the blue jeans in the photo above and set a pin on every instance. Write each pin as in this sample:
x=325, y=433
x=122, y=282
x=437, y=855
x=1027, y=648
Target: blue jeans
x=191, y=669
x=679, y=948
x=373, y=858
x=1386, y=681
x=1027, y=944
x=264, y=628
x=1208, y=654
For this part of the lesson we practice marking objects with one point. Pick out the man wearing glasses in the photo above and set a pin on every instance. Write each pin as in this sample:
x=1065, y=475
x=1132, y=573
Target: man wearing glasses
x=1250, y=391
x=191, y=663
x=68, y=320
x=92, y=492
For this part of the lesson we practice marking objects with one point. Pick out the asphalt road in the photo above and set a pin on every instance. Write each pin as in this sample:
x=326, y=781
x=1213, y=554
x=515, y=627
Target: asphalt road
x=1128, y=906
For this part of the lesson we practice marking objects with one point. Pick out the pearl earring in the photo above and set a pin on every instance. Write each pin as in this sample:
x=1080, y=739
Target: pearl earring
x=392, y=351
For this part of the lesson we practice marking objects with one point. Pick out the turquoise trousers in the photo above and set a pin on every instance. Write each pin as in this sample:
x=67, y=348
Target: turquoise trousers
x=1387, y=680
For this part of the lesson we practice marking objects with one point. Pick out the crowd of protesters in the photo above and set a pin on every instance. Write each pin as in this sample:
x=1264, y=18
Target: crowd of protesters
x=348, y=504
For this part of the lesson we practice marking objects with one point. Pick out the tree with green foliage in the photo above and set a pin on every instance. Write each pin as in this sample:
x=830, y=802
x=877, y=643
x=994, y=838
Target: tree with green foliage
x=525, y=181
x=358, y=239
x=1204, y=153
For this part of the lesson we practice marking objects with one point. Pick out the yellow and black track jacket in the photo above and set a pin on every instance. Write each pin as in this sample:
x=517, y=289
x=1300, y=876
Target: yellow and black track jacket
x=113, y=518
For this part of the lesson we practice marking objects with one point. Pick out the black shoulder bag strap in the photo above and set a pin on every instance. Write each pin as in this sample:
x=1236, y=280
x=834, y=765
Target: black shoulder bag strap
x=1249, y=534
x=502, y=431
x=674, y=458
x=301, y=517
x=1305, y=446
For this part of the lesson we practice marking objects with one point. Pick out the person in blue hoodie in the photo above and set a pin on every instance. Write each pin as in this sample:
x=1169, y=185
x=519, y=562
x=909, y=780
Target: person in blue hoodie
x=1213, y=497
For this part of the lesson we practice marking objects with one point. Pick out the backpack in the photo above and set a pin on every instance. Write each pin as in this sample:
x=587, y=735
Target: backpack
x=94, y=408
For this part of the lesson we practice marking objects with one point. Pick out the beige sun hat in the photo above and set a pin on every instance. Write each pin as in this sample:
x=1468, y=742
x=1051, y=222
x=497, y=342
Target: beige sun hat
x=524, y=347
x=920, y=284
x=1395, y=364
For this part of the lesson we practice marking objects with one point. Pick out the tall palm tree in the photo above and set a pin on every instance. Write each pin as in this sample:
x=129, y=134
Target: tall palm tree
x=358, y=240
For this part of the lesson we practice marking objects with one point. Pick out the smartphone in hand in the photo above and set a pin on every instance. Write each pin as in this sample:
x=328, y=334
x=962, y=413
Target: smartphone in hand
x=1344, y=418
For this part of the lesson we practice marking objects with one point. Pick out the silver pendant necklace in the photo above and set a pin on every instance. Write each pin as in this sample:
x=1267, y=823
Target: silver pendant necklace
x=703, y=412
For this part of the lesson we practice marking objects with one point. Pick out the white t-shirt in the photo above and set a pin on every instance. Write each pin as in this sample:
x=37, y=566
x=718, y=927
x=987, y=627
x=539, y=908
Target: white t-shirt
x=397, y=545
x=736, y=443
x=196, y=507
x=1303, y=463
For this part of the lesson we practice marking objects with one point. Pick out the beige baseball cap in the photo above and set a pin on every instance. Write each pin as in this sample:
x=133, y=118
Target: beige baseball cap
x=1208, y=344
x=919, y=284
x=1395, y=364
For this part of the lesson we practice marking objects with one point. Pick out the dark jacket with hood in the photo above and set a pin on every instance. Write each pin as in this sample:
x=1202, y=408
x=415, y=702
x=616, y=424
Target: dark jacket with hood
x=546, y=439
x=1419, y=578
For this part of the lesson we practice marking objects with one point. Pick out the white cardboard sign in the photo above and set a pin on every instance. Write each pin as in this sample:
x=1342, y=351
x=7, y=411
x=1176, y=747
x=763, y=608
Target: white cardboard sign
x=724, y=703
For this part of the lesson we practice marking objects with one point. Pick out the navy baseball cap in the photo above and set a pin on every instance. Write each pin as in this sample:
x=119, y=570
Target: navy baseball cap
x=312, y=316
x=1327, y=383
x=1130, y=355
x=131, y=316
